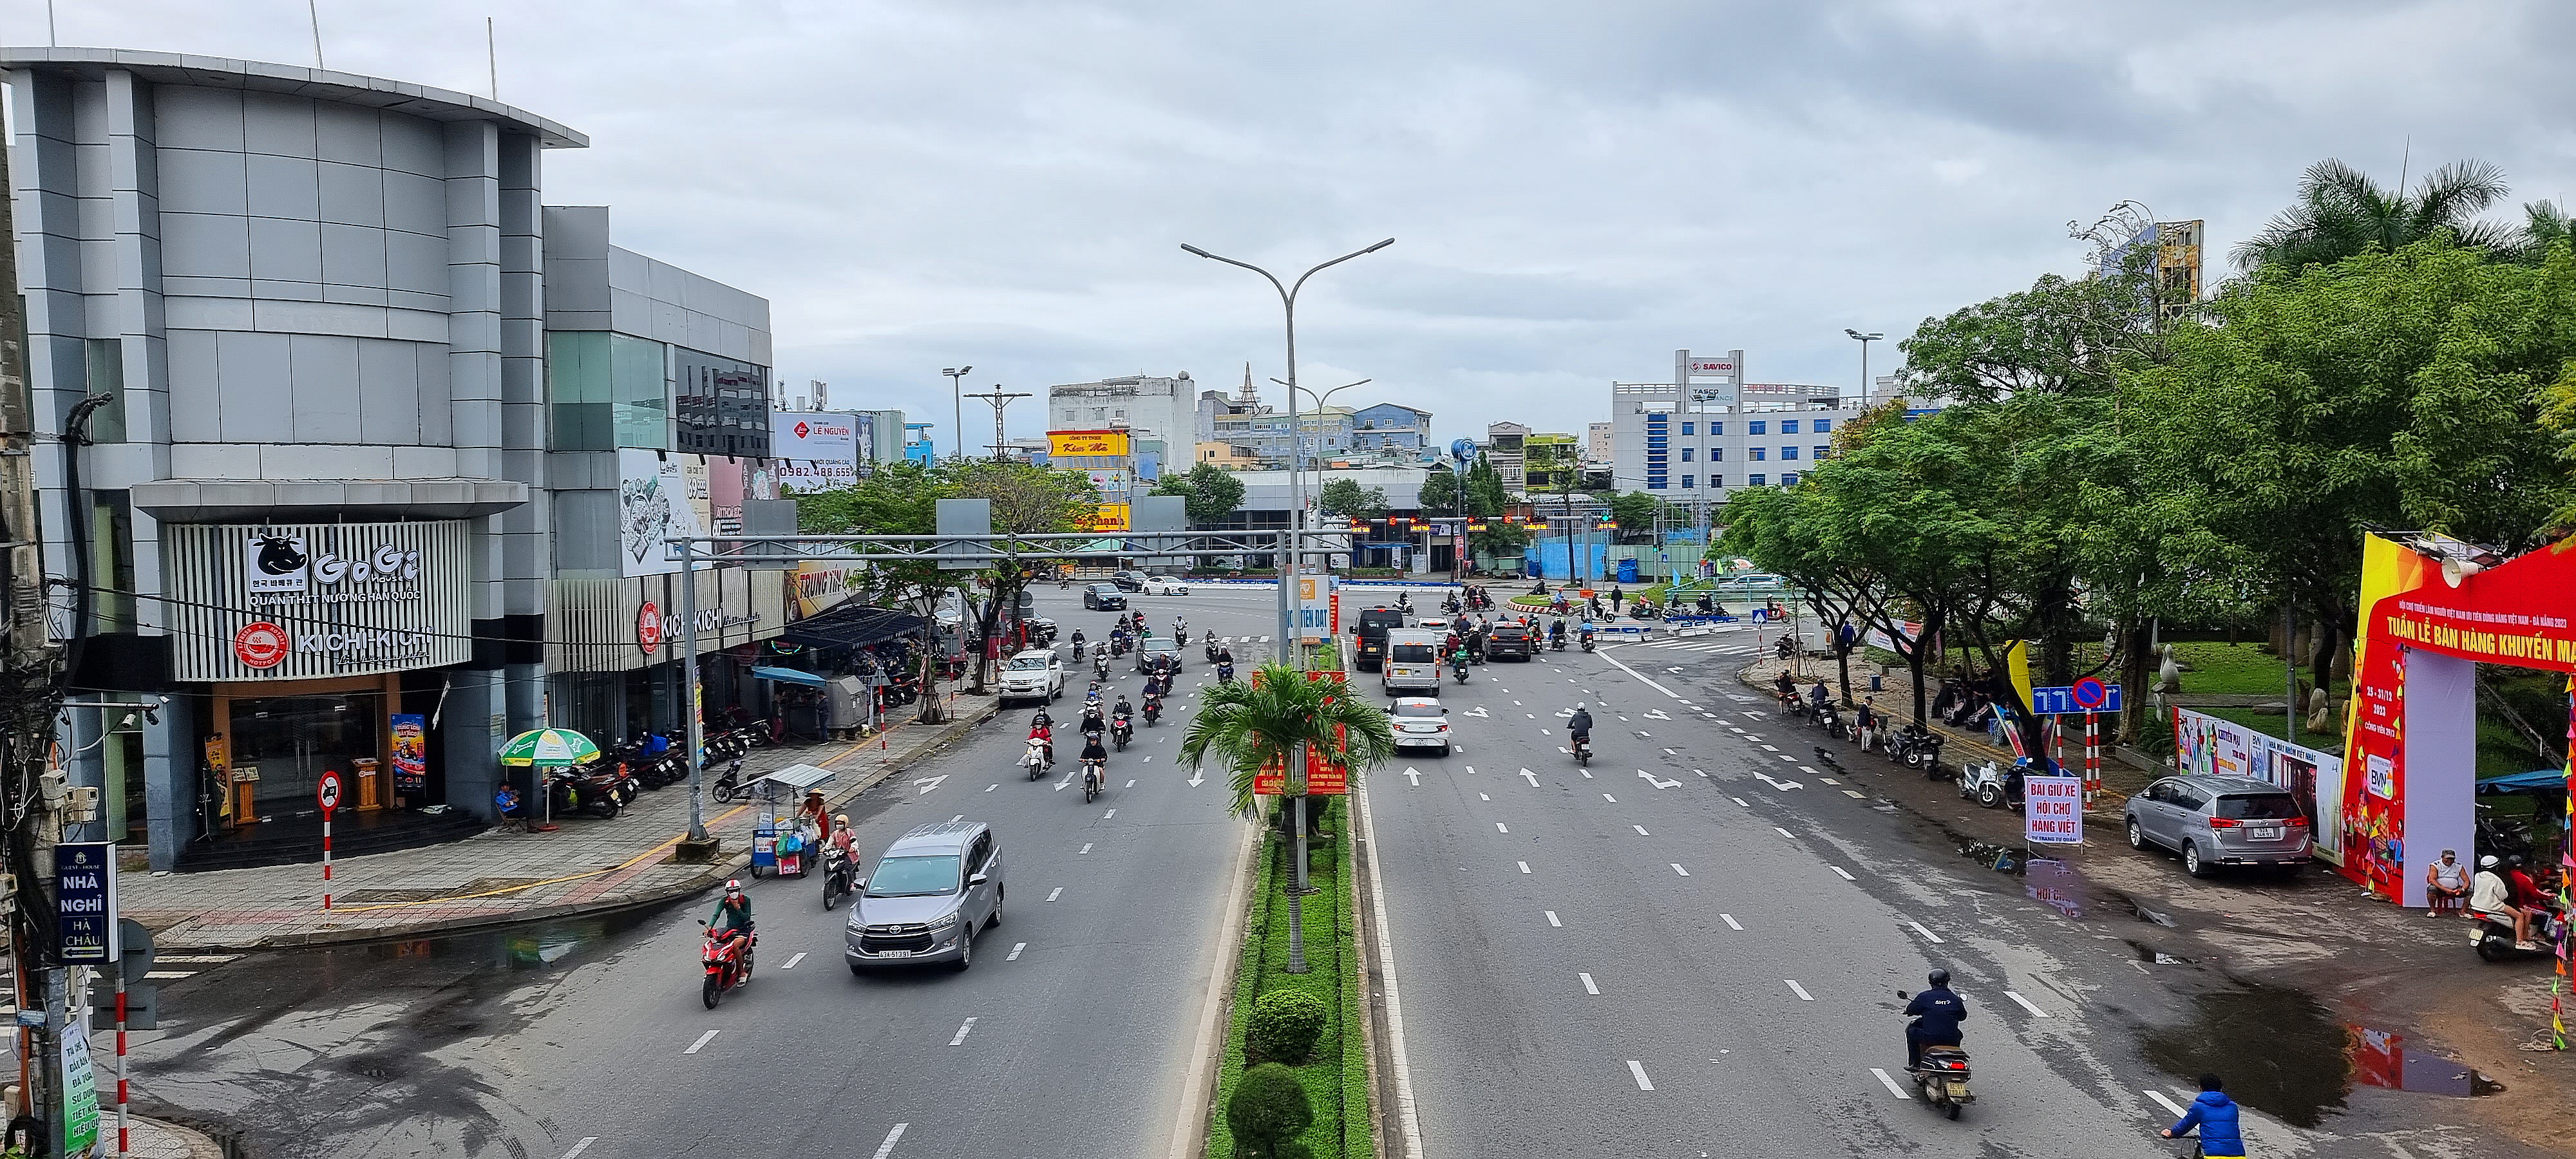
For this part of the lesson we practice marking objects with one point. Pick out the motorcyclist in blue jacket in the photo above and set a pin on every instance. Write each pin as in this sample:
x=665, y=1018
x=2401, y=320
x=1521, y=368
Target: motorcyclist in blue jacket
x=1936, y=1013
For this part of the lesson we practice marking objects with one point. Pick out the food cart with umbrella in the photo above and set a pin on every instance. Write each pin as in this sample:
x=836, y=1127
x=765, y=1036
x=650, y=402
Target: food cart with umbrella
x=548, y=748
x=789, y=784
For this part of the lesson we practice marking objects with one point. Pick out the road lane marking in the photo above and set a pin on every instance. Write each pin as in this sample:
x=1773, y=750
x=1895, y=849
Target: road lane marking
x=1677, y=868
x=1058, y=892
x=957, y=818
x=701, y=1043
x=1850, y=793
x=1014, y=955
x=1533, y=777
x=1812, y=773
x=1131, y=784
x=791, y=962
x=1641, y=831
x=1729, y=919
x=580, y=1147
x=1928, y=935
x=1890, y=1084
x=1821, y=780
x=993, y=786
x=1609, y=798
x=1109, y=814
x=1551, y=920
x=1499, y=827
x=1768, y=779
x=1483, y=797
x=1634, y=1067
x=2025, y=1004
x=1803, y=996
x=962, y=1032
x=1589, y=987
x=1783, y=832
x=887, y=1148
x=1587, y=774
x=1471, y=770
x=1741, y=801
x=1845, y=873
x=1415, y=776
x=1086, y=848
x=1525, y=867
x=2170, y=1106
x=1770, y=748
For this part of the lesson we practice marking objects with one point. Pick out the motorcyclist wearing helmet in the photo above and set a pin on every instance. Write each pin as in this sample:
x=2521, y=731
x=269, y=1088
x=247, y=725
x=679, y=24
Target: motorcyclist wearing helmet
x=845, y=839
x=1936, y=1013
x=733, y=912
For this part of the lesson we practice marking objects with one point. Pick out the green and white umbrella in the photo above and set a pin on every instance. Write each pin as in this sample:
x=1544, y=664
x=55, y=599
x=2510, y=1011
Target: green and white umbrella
x=549, y=746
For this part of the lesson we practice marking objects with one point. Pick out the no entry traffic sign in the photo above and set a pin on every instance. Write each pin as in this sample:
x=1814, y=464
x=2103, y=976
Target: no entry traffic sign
x=2086, y=695
x=327, y=794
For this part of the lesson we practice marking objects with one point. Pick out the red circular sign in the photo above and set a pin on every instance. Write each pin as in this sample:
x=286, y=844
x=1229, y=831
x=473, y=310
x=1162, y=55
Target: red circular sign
x=260, y=644
x=327, y=793
x=2089, y=693
x=648, y=627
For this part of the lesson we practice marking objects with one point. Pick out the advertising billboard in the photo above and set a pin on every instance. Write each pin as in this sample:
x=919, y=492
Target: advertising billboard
x=653, y=505
x=296, y=601
x=814, y=435
x=1109, y=517
x=1088, y=444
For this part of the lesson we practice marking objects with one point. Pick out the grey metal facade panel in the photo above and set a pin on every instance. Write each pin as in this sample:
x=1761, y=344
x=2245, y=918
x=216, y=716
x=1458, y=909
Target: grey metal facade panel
x=250, y=77
x=350, y=624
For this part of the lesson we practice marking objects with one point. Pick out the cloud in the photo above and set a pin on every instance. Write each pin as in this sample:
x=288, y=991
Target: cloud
x=1576, y=190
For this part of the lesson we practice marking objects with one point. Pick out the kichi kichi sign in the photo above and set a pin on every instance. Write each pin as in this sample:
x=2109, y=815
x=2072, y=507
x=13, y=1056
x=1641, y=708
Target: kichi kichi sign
x=296, y=601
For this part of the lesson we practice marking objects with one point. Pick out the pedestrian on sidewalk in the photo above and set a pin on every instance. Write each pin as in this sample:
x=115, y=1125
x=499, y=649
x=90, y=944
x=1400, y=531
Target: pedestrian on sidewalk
x=2215, y=1116
x=2446, y=884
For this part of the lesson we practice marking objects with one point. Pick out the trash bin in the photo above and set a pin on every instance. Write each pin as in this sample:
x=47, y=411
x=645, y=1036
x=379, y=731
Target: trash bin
x=1628, y=570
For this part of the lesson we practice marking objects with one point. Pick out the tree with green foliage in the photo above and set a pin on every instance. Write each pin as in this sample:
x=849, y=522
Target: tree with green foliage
x=2341, y=212
x=1440, y=492
x=1210, y=492
x=1346, y=498
x=1027, y=499
x=1267, y=1111
x=1634, y=510
x=897, y=499
x=1488, y=499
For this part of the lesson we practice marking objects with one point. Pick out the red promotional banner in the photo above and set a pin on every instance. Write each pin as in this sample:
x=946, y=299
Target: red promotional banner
x=1324, y=778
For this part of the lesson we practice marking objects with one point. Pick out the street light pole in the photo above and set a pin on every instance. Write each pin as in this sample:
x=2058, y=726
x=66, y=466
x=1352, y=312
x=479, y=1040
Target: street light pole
x=1297, y=438
x=957, y=402
x=1864, y=340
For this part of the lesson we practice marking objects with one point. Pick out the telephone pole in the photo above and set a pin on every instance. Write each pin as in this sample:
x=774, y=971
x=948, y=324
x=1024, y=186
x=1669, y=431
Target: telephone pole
x=999, y=399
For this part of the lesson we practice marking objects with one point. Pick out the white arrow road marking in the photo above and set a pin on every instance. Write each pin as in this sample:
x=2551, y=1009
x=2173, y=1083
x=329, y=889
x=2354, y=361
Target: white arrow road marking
x=926, y=784
x=701, y=1043
x=1890, y=1084
x=1479, y=712
x=1068, y=779
x=1533, y=777
x=1651, y=779
x=1415, y=775
x=1766, y=778
x=2025, y=1004
x=1639, y=1069
x=1928, y=935
x=887, y=1148
x=1803, y=996
x=1197, y=779
x=1657, y=714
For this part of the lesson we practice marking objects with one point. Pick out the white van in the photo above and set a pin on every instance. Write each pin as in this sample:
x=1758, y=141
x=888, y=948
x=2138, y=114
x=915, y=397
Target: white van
x=1412, y=662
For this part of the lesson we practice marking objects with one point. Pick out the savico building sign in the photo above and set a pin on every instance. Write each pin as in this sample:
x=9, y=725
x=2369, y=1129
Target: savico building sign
x=297, y=601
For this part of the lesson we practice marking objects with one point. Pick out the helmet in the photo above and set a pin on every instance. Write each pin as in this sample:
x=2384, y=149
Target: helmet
x=1940, y=977
x=733, y=885
x=840, y=818
x=2487, y=862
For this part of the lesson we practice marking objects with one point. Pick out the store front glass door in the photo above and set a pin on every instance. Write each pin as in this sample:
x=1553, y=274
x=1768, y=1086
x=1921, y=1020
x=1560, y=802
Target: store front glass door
x=292, y=739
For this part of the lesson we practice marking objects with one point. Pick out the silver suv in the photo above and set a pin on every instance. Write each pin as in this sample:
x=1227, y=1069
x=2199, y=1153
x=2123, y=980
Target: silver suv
x=933, y=891
x=2213, y=820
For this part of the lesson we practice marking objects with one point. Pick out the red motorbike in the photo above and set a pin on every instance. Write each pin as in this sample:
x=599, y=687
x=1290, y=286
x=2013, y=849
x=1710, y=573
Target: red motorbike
x=728, y=963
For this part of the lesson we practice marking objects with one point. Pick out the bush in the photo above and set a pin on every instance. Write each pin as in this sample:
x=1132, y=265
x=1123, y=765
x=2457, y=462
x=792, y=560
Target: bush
x=1268, y=1111
x=1285, y=1025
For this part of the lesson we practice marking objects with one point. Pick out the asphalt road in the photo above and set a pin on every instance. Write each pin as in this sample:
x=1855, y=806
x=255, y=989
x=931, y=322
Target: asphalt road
x=1072, y=1034
x=1695, y=949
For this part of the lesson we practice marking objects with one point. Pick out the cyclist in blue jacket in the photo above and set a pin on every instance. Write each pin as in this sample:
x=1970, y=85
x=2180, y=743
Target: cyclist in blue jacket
x=2215, y=1114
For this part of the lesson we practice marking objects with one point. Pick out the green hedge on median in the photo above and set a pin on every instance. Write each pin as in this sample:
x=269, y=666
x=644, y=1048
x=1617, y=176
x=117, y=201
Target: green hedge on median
x=1335, y=1073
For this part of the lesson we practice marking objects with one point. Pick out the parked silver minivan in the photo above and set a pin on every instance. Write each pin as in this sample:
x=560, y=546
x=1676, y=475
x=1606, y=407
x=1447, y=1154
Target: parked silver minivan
x=933, y=891
x=1412, y=662
x=2214, y=820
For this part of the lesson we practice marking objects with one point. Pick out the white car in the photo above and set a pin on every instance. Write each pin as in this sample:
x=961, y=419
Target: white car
x=1036, y=674
x=1164, y=586
x=1420, y=722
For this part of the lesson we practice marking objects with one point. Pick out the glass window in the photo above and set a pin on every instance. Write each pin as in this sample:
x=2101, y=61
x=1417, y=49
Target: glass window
x=1412, y=653
x=1717, y=454
x=1686, y=428
x=1788, y=426
x=1823, y=425
x=1754, y=480
x=1716, y=481
x=577, y=391
x=914, y=876
x=2267, y=807
x=1419, y=710
x=104, y=361
x=1758, y=427
x=1789, y=480
x=1788, y=452
x=639, y=391
x=1756, y=452
x=1717, y=428
x=1821, y=452
x=723, y=405
x=1686, y=454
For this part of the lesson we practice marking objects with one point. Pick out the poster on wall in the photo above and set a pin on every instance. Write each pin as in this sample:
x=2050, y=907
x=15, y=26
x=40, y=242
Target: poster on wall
x=652, y=506
x=2208, y=744
x=411, y=754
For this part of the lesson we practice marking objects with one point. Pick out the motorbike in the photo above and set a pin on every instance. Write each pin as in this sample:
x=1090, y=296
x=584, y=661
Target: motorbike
x=1460, y=665
x=836, y=875
x=1916, y=747
x=1557, y=642
x=1091, y=781
x=1121, y=730
x=728, y=783
x=1118, y=645
x=1153, y=711
x=728, y=964
x=1829, y=718
x=571, y=795
x=1583, y=750
x=1225, y=673
x=1588, y=643
x=1035, y=760
x=2492, y=935
x=1990, y=787
x=1100, y=667
x=1943, y=1077
x=1211, y=650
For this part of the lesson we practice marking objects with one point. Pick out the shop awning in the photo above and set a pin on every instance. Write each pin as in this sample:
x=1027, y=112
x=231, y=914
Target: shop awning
x=787, y=676
x=851, y=626
x=2537, y=781
x=795, y=778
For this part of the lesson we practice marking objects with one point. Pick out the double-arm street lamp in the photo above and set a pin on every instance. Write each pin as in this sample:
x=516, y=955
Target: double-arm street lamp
x=958, y=409
x=1297, y=440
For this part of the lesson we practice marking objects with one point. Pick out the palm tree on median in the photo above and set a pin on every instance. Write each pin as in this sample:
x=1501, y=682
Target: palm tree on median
x=2340, y=212
x=1270, y=721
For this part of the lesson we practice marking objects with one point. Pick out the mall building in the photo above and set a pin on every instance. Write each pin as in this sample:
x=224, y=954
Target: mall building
x=378, y=448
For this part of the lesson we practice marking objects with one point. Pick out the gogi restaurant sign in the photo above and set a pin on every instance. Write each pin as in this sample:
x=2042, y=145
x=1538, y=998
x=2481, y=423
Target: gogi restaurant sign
x=298, y=601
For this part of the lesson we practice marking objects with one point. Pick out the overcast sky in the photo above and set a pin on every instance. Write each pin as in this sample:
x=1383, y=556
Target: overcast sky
x=1575, y=189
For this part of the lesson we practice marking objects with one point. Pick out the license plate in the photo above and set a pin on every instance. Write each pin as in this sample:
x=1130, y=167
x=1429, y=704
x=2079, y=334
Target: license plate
x=894, y=953
x=2267, y=833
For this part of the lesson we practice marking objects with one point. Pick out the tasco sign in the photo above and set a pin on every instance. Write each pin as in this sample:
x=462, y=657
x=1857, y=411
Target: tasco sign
x=298, y=601
x=1087, y=444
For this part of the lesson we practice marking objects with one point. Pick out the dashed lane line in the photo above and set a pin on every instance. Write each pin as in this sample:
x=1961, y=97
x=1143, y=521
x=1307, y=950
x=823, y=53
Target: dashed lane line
x=962, y=1032
x=1014, y=955
x=1636, y=1068
x=701, y=1043
x=799, y=956
x=1729, y=919
x=1890, y=1084
x=1524, y=867
x=1845, y=874
x=580, y=1147
x=2036, y=1012
x=887, y=1148
x=1677, y=868
x=1801, y=991
x=1551, y=920
x=1928, y=935
x=1589, y=986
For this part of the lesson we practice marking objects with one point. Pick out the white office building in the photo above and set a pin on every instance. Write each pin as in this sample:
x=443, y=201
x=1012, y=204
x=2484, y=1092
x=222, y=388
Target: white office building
x=1161, y=412
x=1695, y=445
